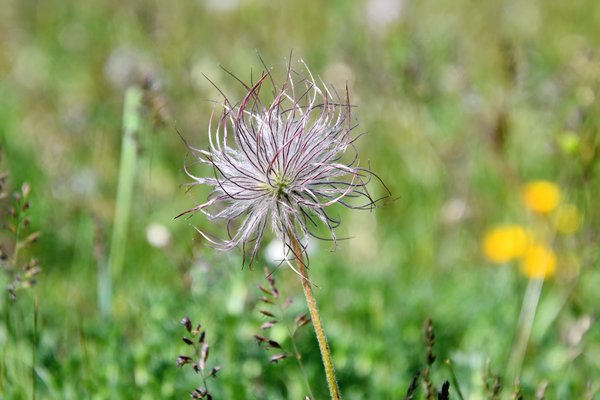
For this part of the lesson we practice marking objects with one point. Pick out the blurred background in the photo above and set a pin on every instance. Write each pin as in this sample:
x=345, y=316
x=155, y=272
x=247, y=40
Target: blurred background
x=483, y=120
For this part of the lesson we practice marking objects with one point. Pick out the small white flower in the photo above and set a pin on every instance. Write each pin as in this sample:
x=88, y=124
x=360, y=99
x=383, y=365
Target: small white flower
x=158, y=235
x=280, y=165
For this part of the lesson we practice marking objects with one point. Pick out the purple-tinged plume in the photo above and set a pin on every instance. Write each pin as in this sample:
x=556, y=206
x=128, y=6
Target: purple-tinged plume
x=281, y=164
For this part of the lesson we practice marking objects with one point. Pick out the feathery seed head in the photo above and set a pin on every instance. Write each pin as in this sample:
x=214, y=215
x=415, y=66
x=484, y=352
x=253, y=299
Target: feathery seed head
x=281, y=164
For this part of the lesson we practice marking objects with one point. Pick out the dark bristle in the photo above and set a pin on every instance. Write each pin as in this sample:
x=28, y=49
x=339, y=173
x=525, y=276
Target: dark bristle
x=265, y=290
x=19, y=274
x=198, y=360
x=260, y=339
x=213, y=372
x=444, y=394
x=187, y=323
x=302, y=320
x=429, y=336
x=183, y=360
x=492, y=383
x=197, y=329
x=267, y=313
x=276, y=358
x=412, y=387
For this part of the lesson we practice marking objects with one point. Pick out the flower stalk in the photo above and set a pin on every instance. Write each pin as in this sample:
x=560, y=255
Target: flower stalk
x=528, y=311
x=332, y=383
x=132, y=125
x=281, y=165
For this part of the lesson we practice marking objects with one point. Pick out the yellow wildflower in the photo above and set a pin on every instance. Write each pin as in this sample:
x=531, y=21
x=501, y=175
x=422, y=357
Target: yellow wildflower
x=505, y=243
x=538, y=262
x=541, y=196
x=567, y=219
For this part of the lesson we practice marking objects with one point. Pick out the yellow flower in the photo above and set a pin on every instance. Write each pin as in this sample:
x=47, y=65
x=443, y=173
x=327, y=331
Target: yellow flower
x=505, y=243
x=541, y=196
x=567, y=219
x=538, y=262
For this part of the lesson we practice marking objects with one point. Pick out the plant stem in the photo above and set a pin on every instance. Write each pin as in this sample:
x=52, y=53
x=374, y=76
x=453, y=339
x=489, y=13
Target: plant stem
x=299, y=361
x=34, y=347
x=454, y=379
x=528, y=311
x=131, y=127
x=334, y=390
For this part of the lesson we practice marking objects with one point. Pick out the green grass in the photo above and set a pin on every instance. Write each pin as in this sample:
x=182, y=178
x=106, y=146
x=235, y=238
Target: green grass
x=435, y=90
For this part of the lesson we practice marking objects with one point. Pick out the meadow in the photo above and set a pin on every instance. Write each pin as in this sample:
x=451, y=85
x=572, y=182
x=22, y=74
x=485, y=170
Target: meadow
x=481, y=118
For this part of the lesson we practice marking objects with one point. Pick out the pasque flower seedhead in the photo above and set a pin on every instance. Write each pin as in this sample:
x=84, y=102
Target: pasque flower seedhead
x=281, y=164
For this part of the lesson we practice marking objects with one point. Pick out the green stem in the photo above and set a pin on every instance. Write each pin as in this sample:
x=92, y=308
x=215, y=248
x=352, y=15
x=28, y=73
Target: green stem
x=334, y=390
x=528, y=310
x=34, y=347
x=131, y=127
x=299, y=362
x=454, y=379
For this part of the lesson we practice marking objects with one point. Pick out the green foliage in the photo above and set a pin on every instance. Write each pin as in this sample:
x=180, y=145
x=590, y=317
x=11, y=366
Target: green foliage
x=463, y=103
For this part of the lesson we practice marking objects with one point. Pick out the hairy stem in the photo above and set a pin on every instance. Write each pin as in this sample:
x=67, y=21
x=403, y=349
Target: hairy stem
x=334, y=390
